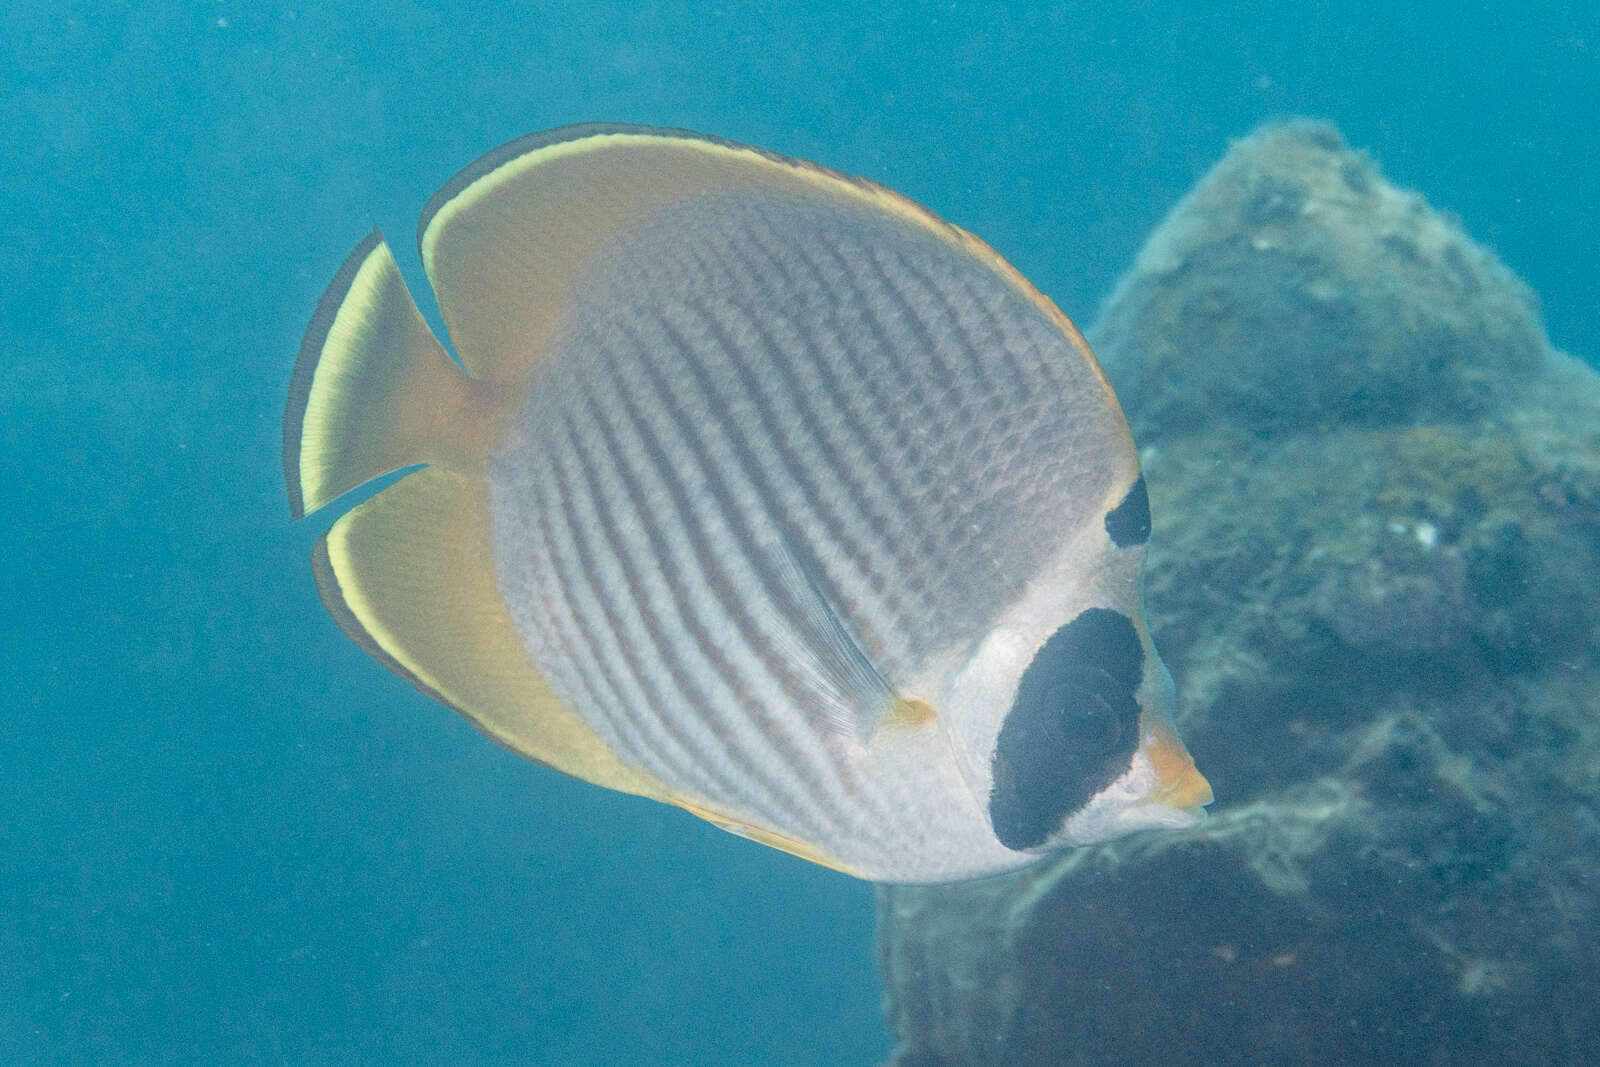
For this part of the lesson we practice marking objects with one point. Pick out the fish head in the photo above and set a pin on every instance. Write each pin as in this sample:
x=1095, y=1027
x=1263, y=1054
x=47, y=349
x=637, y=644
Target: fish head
x=1062, y=717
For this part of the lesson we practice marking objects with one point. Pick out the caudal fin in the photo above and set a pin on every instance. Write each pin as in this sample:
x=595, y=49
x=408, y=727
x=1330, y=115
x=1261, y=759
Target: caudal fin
x=373, y=390
x=409, y=573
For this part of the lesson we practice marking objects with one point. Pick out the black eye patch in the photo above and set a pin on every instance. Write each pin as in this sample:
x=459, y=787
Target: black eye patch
x=1072, y=729
x=1129, y=522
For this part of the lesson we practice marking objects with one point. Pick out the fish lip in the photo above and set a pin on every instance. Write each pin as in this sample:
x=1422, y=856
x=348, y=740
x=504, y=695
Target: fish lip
x=1190, y=815
x=1179, y=786
x=1160, y=815
x=1189, y=792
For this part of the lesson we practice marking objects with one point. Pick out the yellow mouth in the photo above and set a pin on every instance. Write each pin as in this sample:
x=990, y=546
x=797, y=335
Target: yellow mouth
x=1179, y=784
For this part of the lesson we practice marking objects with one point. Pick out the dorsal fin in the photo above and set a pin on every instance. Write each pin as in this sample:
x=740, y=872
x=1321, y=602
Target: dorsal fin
x=503, y=239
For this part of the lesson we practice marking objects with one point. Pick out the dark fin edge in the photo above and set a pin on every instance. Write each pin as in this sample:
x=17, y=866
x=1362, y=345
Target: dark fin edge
x=305, y=370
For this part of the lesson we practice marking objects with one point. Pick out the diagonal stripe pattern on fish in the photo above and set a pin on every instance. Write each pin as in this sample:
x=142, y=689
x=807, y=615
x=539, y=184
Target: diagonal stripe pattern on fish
x=759, y=490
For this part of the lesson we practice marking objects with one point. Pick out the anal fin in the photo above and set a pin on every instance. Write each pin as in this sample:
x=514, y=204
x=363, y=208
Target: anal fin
x=771, y=838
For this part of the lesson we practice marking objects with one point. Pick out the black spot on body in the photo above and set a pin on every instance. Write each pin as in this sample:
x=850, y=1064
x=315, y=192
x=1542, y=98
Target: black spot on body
x=1072, y=729
x=1129, y=522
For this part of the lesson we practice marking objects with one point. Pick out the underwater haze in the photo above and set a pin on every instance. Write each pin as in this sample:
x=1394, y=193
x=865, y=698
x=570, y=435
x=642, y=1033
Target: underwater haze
x=226, y=836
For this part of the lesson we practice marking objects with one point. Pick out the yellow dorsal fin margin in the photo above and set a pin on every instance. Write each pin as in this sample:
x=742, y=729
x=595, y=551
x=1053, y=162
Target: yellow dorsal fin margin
x=503, y=240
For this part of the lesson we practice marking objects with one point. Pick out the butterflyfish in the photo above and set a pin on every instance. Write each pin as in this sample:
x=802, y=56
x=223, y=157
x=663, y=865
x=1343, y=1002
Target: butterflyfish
x=753, y=488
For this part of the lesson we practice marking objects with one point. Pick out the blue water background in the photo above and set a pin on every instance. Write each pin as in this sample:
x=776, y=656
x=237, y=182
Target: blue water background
x=228, y=836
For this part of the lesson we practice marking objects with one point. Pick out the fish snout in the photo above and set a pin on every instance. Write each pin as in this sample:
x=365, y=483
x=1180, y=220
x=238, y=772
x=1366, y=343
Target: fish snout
x=1179, y=783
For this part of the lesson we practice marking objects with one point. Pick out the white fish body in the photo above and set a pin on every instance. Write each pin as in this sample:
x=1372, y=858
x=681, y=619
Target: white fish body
x=764, y=493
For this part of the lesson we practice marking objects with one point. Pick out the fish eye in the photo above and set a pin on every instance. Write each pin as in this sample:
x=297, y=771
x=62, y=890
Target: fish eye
x=1088, y=723
x=1072, y=728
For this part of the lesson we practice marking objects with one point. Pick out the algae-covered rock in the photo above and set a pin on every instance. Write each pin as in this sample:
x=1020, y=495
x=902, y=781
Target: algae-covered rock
x=1375, y=574
x=1294, y=254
